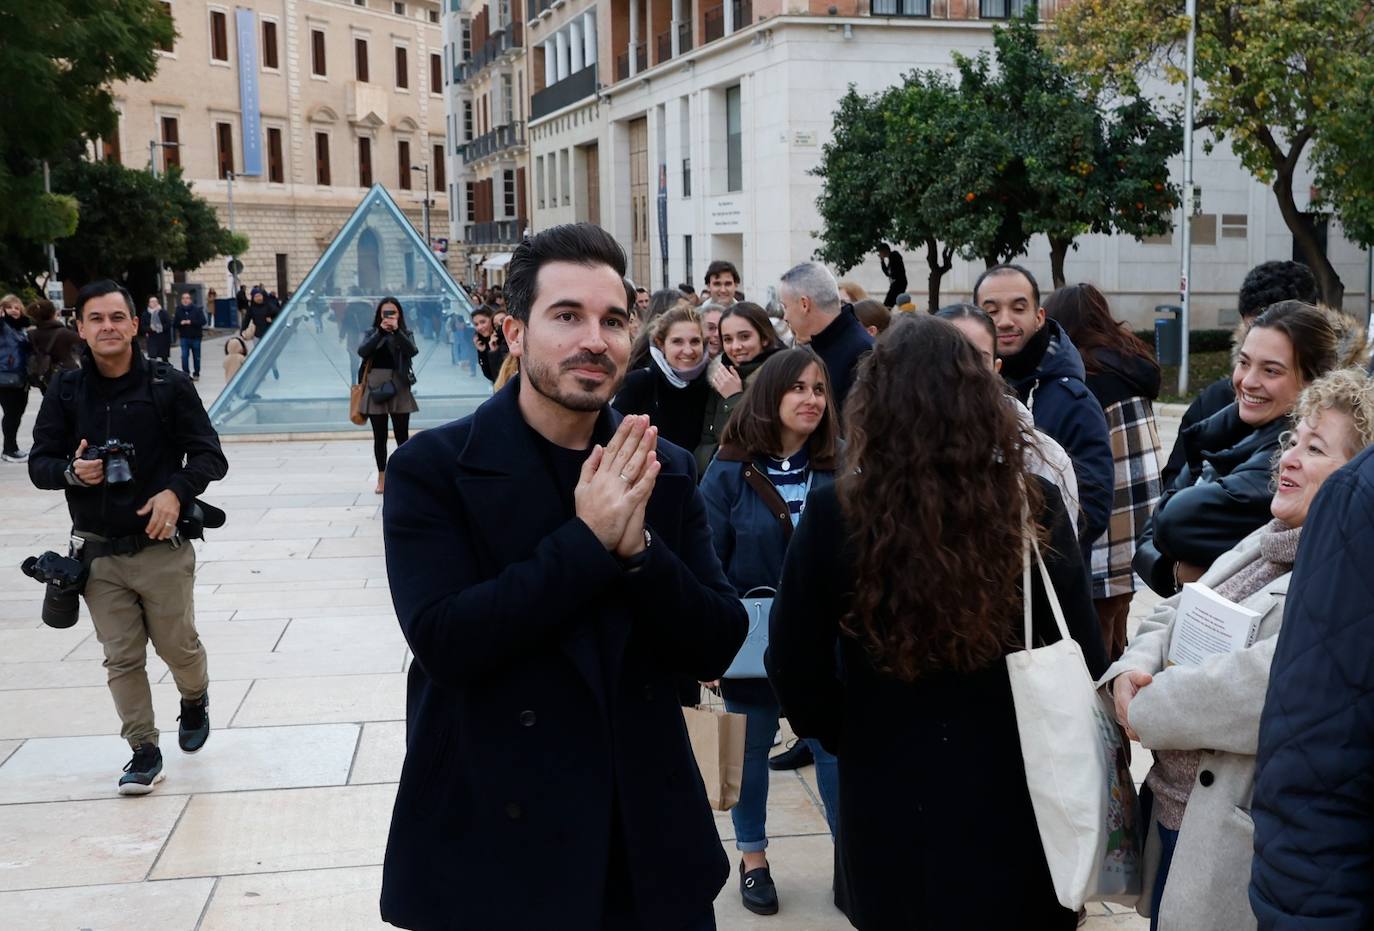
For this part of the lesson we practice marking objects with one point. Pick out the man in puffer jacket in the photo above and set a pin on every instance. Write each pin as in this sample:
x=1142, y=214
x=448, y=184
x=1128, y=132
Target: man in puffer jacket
x=1042, y=366
x=1313, y=804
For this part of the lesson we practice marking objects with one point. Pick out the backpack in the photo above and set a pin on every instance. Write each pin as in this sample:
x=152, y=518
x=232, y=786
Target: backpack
x=14, y=353
x=40, y=366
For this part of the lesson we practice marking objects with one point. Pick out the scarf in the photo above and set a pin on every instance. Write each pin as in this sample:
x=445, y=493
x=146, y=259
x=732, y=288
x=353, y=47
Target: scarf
x=1026, y=362
x=678, y=378
x=154, y=320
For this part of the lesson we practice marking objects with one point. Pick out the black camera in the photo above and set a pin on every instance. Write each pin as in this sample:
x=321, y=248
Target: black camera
x=118, y=458
x=65, y=577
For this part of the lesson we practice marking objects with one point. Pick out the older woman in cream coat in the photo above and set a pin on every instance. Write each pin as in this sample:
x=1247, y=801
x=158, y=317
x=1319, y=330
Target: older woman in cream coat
x=1202, y=721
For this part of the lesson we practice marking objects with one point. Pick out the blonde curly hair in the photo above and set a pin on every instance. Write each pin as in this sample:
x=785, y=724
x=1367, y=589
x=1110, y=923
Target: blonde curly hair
x=1348, y=391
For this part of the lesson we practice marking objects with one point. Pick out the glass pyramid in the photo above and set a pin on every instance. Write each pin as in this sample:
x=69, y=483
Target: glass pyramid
x=296, y=378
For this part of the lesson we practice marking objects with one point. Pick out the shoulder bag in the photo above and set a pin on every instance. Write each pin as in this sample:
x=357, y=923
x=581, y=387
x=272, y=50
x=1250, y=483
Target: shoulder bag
x=355, y=397
x=1081, y=791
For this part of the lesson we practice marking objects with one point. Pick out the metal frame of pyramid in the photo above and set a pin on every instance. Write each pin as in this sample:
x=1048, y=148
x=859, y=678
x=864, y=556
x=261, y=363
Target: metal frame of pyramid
x=296, y=379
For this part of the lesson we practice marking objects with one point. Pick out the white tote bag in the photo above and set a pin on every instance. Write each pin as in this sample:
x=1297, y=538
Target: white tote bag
x=1057, y=714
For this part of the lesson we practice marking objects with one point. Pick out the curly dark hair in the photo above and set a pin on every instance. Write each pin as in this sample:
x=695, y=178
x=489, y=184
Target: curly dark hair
x=933, y=489
x=1271, y=282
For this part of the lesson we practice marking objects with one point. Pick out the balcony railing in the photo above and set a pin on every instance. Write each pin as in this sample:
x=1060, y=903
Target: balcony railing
x=571, y=89
x=899, y=7
x=744, y=13
x=715, y=23
x=742, y=10
x=496, y=231
x=663, y=45
x=622, y=62
x=498, y=140
x=684, y=37
x=498, y=43
x=535, y=7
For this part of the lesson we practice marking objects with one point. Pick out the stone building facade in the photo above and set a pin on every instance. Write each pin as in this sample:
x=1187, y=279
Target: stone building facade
x=321, y=98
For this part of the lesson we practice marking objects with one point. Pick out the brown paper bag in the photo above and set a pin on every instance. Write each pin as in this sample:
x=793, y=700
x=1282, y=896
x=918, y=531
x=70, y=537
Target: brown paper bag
x=718, y=743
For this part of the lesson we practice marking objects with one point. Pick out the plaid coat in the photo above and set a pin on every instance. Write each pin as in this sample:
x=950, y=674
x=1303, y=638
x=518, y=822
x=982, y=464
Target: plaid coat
x=1126, y=389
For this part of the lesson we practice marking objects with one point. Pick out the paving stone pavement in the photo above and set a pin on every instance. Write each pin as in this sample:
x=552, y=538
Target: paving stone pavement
x=280, y=822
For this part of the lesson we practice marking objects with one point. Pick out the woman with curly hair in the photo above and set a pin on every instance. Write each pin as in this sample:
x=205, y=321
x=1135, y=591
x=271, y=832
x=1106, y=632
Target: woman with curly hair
x=900, y=600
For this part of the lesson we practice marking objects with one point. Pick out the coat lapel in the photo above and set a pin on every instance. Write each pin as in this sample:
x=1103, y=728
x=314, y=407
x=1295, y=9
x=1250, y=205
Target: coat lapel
x=506, y=485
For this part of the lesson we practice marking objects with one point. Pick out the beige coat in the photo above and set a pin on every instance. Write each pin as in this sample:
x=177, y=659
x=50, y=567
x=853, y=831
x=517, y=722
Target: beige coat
x=1215, y=708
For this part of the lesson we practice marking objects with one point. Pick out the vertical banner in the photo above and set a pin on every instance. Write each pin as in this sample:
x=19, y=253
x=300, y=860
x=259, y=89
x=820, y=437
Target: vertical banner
x=251, y=115
x=663, y=220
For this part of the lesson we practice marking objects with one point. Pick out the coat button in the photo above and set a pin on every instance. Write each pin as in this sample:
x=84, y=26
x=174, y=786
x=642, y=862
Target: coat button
x=527, y=718
x=513, y=811
x=1205, y=778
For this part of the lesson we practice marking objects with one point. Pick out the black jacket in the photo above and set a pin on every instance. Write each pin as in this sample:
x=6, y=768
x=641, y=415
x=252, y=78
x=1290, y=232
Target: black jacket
x=194, y=315
x=841, y=345
x=540, y=709
x=183, y=455
x=157, y=345
x=1220, y=498
x=261, y=316
x=895, y=269
x=931, y=775
x=1217, y=396
x=1314, y=787
x=491, y=355
x=395, y=351
x=677, y=412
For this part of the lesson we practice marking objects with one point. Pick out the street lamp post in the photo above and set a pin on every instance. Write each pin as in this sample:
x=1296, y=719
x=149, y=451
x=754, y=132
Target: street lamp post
x=153, y=146
x=234, y=275
x=1185, y=285
x=429, y=243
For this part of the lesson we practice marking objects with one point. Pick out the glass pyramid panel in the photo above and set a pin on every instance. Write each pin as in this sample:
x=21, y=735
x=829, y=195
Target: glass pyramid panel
x=296, y=378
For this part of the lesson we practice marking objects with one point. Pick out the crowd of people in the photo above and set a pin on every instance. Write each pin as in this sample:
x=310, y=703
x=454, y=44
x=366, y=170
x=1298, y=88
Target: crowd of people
x=875, y=476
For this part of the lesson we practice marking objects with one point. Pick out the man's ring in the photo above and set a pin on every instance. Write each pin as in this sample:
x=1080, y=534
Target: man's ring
x=169, y=524
x=623, y=478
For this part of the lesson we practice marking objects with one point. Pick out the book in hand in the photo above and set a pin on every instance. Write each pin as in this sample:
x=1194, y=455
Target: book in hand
x=1207, y=624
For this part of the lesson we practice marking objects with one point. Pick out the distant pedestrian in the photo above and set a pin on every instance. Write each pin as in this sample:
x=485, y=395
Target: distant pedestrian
x=56, y=348
x=387, y=350
x=155, y=326
x=895, y=270
x=261, y=313
x=722, y=280
x=241, y=302
x=190, y=327
x=873, y=315
x=487, y=340
x=14, y=374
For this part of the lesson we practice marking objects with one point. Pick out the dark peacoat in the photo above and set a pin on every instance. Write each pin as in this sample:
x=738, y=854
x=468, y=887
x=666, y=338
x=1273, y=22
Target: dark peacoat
x=540, y=707
x=935, y=817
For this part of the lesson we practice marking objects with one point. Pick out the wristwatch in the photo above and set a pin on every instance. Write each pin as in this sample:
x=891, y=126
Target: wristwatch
x=636, y=562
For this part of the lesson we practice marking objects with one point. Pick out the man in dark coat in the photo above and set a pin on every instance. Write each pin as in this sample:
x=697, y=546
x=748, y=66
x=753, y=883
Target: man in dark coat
x=1314, y=791
x=811, y=304
x=1043, y=367
x=552, y=570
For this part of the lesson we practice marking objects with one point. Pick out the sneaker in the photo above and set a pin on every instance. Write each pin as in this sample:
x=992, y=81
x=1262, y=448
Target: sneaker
x=194, y=721
x=142, y=772
x=757, y=892
x=794, y=757
x=15, y=456
x=195, y=377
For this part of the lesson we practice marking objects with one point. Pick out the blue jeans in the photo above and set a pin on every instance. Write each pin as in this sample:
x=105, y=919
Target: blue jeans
x=1168, y=840
x=190, y=345
x=754, y=699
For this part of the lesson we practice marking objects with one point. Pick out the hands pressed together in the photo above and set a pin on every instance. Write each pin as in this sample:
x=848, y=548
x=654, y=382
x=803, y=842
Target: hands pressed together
x=614, y=487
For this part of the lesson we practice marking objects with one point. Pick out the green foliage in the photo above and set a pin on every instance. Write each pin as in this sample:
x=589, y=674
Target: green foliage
x=1274, y=76
x=130, y=219
x=57, y=61
x=1015, y=147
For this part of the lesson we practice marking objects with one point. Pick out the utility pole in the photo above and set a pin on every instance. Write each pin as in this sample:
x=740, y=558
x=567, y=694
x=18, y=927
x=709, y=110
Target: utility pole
x=1185, y=285
x=153, y=146
x=429, y=243
x=229, y=179
x=49, y=248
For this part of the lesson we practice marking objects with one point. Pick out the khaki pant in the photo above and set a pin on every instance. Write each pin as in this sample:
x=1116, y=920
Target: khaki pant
x=134, y=599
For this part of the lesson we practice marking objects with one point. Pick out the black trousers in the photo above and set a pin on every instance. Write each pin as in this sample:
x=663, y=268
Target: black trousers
x=892, y=291
x=13, y=402
x=401, y=426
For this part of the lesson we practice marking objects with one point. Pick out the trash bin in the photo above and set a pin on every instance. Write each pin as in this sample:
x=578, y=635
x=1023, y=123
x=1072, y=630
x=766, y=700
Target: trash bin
x=1169, y=334
x=226, y=313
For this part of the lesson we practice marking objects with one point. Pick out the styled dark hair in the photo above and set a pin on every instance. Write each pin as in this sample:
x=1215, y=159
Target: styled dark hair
x=100, y=288
x=580, y=243
x=934, y=489
x=482, y=310
x=640, y=290
x=41, y=310
x=884, y=247
x=720, y=267
x=1270, y=282
x=631, y=294
x=1007, y=268
x=754, y=426
x=1313, y=333
x=873, y=313
x=400, y=313
x=1083, y=312
x=952, y=312
x=757, y=318
x=687, y=289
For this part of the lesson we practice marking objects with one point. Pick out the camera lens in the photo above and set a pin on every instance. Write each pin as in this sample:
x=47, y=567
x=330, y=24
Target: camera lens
x=117, y=470
x=60, y=609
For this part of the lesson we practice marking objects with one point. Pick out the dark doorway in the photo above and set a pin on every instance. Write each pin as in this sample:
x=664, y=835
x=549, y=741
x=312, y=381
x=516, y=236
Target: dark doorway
x=369, y=262
x=283, y=279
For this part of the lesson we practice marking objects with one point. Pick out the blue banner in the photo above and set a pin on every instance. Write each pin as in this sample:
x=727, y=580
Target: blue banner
x=246, y=21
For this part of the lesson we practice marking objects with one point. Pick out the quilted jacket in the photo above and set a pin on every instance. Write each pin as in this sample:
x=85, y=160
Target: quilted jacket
x=1314, y=793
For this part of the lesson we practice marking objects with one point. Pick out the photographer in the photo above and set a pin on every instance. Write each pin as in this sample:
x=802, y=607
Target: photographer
x=129, y=442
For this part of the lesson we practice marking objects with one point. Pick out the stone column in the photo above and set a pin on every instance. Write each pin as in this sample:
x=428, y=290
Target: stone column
x=728, y=9
x=589, y=37
x=576, y=61
x=550, y=64
x=561, y=40
x=634, y=36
